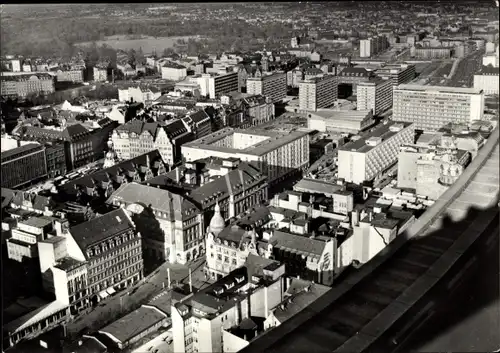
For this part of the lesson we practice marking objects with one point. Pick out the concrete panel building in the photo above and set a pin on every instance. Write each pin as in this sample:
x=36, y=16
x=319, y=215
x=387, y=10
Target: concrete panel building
x=488, y=80
x=272, y=86
x=431, y=107
x=366, y=158
x=318, y=92
x=332, y=120
x=375, y=94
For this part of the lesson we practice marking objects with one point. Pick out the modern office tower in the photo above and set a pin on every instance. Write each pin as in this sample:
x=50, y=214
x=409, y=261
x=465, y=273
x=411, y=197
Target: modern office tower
x=273, y=86
x=216, y=85
x=366, y=158
x=23, y=165
x=318, y=92
x=279, y=154
x=375, y=94
x=398, y=73
x=487, y=80
x=431, y=107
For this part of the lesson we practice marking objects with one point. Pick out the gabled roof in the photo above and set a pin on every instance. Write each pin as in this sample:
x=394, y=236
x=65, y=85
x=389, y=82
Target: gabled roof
x=299, y=243
x=199, y=116
x=101, y=228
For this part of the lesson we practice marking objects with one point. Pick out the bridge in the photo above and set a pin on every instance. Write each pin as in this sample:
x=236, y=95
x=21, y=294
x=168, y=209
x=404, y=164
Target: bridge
x=381, y=303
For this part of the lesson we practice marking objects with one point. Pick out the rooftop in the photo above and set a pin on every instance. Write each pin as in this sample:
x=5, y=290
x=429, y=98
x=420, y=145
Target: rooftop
x=37, y=222
x=274, y=139
x=383, y=132
x=334, y=114
x=23, y=150
x=298, y=243
x=98, y=229
x=438, y=89
x=133, y=324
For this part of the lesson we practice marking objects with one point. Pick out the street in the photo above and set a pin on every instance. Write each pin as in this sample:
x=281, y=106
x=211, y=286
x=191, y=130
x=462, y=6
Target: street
x=131, y=298
x=467, y=67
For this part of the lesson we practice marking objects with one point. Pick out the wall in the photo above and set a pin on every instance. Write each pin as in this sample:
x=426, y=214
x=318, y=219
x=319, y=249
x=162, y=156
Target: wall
x=232, y=343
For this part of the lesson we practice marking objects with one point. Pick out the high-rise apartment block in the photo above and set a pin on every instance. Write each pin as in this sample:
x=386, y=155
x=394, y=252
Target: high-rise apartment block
x=372, y=46
x=272, y=86
x=375, y=94
x=318, y=92
x=431, y=107
x=366, y=158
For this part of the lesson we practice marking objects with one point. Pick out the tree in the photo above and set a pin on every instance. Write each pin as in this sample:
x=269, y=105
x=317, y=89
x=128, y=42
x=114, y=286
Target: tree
x=132, y=57
x=139, y=56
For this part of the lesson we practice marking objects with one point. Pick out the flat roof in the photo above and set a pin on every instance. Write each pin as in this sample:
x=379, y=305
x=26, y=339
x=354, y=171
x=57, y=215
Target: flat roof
x=37, y=222
x=134, y=323
x=382, y=132
x=442, y=89
x=357, y=115
x=276, y=139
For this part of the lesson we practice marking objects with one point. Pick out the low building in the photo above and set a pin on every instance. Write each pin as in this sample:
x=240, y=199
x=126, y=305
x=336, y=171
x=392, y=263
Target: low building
x=246, y=294
x=431, y=52
x=366, y=158
x=23, y=165
x=430, y=170
x=174, y=72
x=343, y=121
x=68, y=75
x=138, y=94
x=132, y=327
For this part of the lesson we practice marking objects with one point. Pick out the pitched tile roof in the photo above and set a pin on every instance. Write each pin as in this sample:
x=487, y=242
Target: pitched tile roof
x=101, y=228
x=300, y=243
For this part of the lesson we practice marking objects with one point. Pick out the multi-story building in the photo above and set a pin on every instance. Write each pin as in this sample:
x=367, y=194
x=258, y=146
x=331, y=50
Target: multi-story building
x=353, y=75
x=491, y=60
x=100, y=73
x=488, y=80
x=398, y=73
x=217, y=85
x=23, y=86
x=136, y=138
x=55, y=153
x=199, y=321
x=198, y=122
x=22, y=244
x=429, y=171
x=431, y=53
x=84, y=264
x=375, y=94
x=279, y=154
x=259, y=109
x=294, y=77
x=175, y=221
x=81, y=145
x=272, y=86
x=340, y=121
x=23, y=165
x=138, y=94
x=366, y=158
x=174, y=72
x=372, y=46
x=65, y=75
x=318, y=92
x=431, y=107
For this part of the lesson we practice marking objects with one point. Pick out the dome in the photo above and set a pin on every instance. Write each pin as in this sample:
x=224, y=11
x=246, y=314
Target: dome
x=217, y=223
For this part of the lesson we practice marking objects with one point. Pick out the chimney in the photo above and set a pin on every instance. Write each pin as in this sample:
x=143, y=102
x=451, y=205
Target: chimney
x=288, y=283
x=80, y=342
x=177, y=175
x=266, y=302
x=370, y=215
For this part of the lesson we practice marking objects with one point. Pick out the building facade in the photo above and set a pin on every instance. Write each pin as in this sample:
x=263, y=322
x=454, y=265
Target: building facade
x=340, y=121
x=69, y=75
x=272, y=86
x=318, y=92
x=372, y=46
x=23, y=86
x=366, y=158
x=23, y=165
x=431, y=53
x=488, y=80
x=399, y=74
x=174, y=72
x=431, y=107
x=375, y=94
x=279, y=154
x=100, y=74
